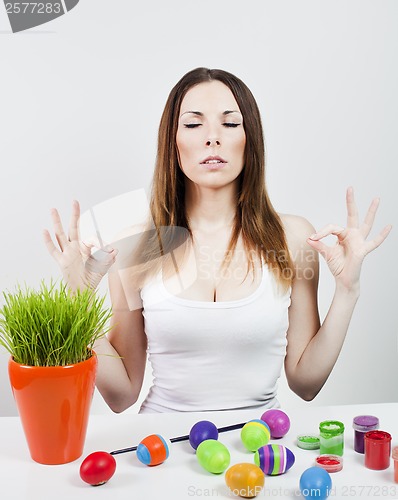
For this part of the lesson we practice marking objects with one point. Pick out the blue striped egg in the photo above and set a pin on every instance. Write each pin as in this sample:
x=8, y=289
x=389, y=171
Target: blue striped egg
x=274, y=459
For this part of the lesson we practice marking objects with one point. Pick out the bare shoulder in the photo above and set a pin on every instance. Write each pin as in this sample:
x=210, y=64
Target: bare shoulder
x=297, y=230
x=296, y=227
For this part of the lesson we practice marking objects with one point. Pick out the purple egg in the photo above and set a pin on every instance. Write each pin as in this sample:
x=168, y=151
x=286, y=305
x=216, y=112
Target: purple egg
x=202, y=431
x=274, y=459
x=278, y=422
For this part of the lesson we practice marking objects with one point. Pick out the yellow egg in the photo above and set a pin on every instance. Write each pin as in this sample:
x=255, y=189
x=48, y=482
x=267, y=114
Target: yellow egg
x=245, y=480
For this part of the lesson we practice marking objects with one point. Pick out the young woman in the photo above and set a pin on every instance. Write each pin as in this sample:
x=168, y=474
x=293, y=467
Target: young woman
x=219, y=310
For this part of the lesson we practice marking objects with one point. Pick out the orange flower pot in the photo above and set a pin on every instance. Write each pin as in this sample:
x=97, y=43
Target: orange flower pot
x=54, y=405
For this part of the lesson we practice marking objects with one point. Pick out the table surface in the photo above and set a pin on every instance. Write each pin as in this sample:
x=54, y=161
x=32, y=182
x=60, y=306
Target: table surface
x=181, y=476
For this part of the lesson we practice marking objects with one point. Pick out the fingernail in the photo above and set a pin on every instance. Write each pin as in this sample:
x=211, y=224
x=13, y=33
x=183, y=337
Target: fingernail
x=312, y=237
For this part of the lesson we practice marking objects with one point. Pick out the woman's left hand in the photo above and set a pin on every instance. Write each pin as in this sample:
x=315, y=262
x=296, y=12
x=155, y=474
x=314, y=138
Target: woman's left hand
x=345, y=258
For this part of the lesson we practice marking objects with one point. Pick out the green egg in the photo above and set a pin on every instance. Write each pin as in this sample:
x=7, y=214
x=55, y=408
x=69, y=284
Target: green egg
x=255, y=434
x=213, y=456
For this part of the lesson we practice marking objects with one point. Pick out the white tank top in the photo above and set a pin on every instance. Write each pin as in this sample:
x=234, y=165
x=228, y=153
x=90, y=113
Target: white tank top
x=209, y=356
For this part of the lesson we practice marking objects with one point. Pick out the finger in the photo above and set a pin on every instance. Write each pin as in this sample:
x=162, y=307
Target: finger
x=352, y=211
x=370, y=217
x=52, y=249
x=86, y=247
x=334, y=229
x=74, y=222
x=93, y=243
x=101, y=261
x=378, y=240
x=58, y=229
x=319, y=246
x=113, y=254
x=93, y=240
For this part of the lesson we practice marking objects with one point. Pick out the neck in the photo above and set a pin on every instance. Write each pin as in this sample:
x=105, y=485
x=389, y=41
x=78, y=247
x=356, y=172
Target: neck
x=210, y=209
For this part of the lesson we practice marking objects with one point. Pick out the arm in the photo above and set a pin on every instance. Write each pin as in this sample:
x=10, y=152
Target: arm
x=313, y=349
x=122, y=354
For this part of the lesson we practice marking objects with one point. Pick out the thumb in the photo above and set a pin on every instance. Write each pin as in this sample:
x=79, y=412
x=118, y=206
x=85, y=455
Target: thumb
x=318, y=246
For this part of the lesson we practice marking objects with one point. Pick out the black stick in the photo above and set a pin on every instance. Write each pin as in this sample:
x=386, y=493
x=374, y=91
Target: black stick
x=182, y=438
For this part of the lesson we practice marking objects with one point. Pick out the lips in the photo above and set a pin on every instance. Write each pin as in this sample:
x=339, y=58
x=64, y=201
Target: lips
x=213, y=160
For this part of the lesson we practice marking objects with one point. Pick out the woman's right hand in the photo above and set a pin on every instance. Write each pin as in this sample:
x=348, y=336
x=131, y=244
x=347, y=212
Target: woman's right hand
x=80, y=268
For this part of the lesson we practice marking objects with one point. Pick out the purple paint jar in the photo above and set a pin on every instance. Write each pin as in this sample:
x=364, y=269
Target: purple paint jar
x=361, y=425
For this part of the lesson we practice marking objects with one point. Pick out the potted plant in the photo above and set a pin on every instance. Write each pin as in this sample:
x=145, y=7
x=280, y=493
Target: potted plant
x=50, y=334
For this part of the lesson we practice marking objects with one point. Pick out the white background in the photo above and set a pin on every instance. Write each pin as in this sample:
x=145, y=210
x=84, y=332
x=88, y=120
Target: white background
x=80, y=103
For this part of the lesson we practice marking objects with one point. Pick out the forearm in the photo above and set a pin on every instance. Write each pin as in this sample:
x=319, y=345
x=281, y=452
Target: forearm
x=112, y=381
x=320, y=355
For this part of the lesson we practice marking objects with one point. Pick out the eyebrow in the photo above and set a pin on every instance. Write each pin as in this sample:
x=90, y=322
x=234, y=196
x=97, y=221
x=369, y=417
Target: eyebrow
x=199, y=113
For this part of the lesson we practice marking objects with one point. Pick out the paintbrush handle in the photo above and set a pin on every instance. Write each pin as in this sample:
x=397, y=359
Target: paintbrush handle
x=182, y=438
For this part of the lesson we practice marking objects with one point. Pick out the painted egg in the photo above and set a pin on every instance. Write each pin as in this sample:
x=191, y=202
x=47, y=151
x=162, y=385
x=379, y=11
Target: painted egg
x=315, y=483
x=245, y=480
x=255, y=434
x=153, y=450
x=97, y=468
x=277, y=421
x=213, y=456
x=274, y=459
x=201, y=431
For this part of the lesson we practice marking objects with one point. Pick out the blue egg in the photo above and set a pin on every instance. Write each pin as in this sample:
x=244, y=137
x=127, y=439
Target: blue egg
x=315, y=482
x=202, y=431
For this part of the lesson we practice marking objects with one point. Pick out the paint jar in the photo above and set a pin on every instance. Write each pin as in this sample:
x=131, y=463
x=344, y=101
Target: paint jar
x=308, y=442
x=362, y=424
x=377, y=450
x=331, y=437
x=331, y=463
x=394, y=455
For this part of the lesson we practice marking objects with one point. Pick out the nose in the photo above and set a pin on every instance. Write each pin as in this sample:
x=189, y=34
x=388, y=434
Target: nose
x=213, y=142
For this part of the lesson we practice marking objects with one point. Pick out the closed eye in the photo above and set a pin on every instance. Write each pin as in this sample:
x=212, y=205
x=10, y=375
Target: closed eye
x=194, y=125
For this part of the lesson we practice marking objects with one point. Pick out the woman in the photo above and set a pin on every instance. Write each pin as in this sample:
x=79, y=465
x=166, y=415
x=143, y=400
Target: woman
x=222, y=311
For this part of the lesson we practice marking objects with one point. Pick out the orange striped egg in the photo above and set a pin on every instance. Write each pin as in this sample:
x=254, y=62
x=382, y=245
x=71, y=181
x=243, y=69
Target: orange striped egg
x=153, y=450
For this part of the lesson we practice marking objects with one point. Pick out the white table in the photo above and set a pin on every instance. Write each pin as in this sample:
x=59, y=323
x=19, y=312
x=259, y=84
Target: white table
x=181, y=476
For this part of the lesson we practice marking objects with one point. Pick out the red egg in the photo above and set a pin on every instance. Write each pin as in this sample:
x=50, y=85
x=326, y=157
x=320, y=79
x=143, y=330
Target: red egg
x=97, y=468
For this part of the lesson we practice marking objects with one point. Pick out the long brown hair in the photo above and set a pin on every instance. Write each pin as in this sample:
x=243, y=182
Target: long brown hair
x=255, y=220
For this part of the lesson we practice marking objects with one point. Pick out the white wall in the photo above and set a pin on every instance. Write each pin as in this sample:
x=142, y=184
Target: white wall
x=81, y=98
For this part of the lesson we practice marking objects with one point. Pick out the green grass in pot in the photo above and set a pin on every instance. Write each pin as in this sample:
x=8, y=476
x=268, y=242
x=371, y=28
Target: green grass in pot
x=52, y=326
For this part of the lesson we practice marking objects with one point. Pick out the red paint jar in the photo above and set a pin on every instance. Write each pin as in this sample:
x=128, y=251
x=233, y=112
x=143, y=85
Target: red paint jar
x=331, y=463
x=394, y=455
x=377, y=450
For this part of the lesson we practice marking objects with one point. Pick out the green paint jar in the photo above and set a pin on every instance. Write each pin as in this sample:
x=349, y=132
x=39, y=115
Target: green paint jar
x=308, y=442
x=331, y=437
